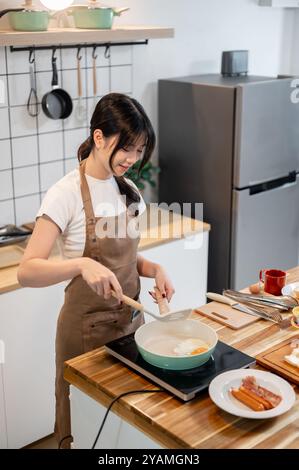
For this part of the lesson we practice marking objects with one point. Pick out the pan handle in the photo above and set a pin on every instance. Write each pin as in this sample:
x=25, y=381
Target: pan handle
x=162, y=302
x=54, y=69
x=3, y=12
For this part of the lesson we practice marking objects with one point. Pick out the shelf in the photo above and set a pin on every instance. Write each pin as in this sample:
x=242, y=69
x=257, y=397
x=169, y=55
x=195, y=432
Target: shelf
x=74, y=36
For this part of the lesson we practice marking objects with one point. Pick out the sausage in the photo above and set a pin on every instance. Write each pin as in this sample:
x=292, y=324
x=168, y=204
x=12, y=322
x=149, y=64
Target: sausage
x=248, y=401
x=267, y=405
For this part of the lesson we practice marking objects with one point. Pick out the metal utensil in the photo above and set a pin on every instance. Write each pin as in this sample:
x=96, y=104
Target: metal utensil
x=225, y=300
x=81, y=112
x=167, y=317
x=283, y=301
x=33, y=106
x=255, y=302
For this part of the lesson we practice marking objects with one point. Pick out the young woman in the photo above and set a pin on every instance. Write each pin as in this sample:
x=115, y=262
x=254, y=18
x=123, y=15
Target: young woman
x=97, y=191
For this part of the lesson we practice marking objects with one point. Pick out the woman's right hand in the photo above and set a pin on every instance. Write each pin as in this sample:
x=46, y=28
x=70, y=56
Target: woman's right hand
x=100, y=279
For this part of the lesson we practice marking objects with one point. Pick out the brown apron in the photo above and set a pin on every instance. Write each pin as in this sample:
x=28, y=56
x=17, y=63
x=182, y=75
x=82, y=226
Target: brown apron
x=88, y=321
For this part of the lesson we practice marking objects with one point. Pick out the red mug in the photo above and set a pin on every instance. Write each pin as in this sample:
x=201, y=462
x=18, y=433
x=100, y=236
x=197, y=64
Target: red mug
x=274, y=280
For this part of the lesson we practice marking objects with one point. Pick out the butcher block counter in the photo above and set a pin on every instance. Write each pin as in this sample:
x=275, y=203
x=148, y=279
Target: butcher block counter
x=161, y=230
x=197, y=424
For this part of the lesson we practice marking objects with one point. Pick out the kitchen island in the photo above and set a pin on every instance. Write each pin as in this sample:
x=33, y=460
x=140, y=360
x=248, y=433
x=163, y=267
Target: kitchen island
x=159, y=420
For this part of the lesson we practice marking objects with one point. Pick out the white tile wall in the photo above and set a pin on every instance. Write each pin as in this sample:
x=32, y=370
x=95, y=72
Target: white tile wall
x=76, y=120
x=24, y=151
x=69, y=58
x=2, y=61
x=5, y=154
x=4, y=127
x=50, y=173
x=103, y=81
x=73, y=139
x=6, y=191
x=101, y=60
x=6, y=212
x=50, y=147
x=122, y=55
x=19, y=89
x=121, y=79
x=17, y=62
x=21, y=123
x=70, y=82
x=36, y=152
x=43, y=60
x=26, y=208
x=26, y=180
x=3, y=91
x=48, y=125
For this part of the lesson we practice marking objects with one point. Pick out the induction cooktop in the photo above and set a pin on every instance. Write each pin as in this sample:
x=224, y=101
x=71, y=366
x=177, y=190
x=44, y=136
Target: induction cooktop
x=184, y=384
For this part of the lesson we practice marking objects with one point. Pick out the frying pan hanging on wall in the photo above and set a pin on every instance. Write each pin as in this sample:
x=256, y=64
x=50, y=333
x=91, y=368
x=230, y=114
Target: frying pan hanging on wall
x=57, y=103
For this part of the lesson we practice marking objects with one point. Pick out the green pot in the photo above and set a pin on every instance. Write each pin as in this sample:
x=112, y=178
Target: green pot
x=95, y=18
x=27, y=20
x=166, y=330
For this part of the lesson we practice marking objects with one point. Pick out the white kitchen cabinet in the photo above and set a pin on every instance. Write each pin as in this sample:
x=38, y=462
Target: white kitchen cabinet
x=27, y=327
x=186, y=262
x=87, y=416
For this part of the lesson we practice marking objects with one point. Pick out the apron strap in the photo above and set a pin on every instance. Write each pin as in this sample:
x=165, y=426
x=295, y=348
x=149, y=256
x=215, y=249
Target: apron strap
x=85, y=192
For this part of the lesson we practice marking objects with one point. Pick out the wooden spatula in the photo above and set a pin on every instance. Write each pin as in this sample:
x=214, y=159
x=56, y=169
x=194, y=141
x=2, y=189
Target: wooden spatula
x=164, y=316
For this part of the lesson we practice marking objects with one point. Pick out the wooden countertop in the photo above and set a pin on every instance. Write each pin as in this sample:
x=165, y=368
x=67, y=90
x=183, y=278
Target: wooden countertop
x=155, y=230
x=198, y=424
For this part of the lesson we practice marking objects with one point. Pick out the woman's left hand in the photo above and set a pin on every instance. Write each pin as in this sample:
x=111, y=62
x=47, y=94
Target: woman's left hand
x=163, y=283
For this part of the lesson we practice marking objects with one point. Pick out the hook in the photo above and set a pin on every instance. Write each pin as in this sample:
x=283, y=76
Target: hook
x=53, y=53
x=94, y=56
x=79, y=56
x=107, y=53
x=31, y=55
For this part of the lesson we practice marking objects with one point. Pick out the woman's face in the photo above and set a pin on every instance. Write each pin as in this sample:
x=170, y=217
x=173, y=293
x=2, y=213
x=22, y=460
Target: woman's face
x=123, y=159
x=127, y=157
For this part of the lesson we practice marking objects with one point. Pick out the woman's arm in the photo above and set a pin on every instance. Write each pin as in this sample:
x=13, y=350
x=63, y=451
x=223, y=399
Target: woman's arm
x=153, y=270
x=36, y=270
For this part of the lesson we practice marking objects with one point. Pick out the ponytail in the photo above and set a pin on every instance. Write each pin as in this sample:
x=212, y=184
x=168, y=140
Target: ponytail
x=85, y=149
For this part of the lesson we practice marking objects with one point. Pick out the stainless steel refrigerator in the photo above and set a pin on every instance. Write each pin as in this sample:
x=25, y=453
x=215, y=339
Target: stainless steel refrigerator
x=233, y=144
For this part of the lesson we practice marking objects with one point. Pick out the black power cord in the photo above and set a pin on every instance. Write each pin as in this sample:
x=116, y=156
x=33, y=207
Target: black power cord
x=115, y=400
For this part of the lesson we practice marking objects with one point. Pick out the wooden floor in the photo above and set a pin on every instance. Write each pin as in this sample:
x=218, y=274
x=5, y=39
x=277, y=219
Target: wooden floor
x=48, y=442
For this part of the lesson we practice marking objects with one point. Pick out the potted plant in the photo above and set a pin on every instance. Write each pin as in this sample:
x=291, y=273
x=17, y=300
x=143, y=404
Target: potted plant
x=144, y=175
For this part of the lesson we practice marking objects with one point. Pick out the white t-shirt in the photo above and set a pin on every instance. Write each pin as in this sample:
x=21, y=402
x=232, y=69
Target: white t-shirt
x=63, y=204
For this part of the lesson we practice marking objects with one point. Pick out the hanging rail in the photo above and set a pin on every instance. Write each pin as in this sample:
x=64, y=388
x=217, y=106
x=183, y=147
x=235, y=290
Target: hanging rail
x=76, y=46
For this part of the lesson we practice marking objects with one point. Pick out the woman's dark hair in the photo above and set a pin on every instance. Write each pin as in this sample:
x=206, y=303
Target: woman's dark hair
x=119, y=114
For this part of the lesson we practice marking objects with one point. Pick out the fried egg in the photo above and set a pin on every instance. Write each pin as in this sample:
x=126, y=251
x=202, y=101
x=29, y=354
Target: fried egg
x=189, y=346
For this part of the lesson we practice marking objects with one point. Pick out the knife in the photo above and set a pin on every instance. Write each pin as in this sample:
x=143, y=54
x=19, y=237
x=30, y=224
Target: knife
x=242, y=308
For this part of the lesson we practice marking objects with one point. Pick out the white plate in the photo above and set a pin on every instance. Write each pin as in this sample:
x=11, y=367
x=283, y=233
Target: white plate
x=288, y=289
x=219, y=391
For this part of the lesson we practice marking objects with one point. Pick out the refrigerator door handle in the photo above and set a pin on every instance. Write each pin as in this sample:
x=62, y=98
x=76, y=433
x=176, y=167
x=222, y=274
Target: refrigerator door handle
x=284, y=182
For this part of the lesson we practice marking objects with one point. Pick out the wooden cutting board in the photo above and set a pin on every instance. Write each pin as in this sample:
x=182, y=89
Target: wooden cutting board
x=273, y=359
x=226, y=315
x=10, y=255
